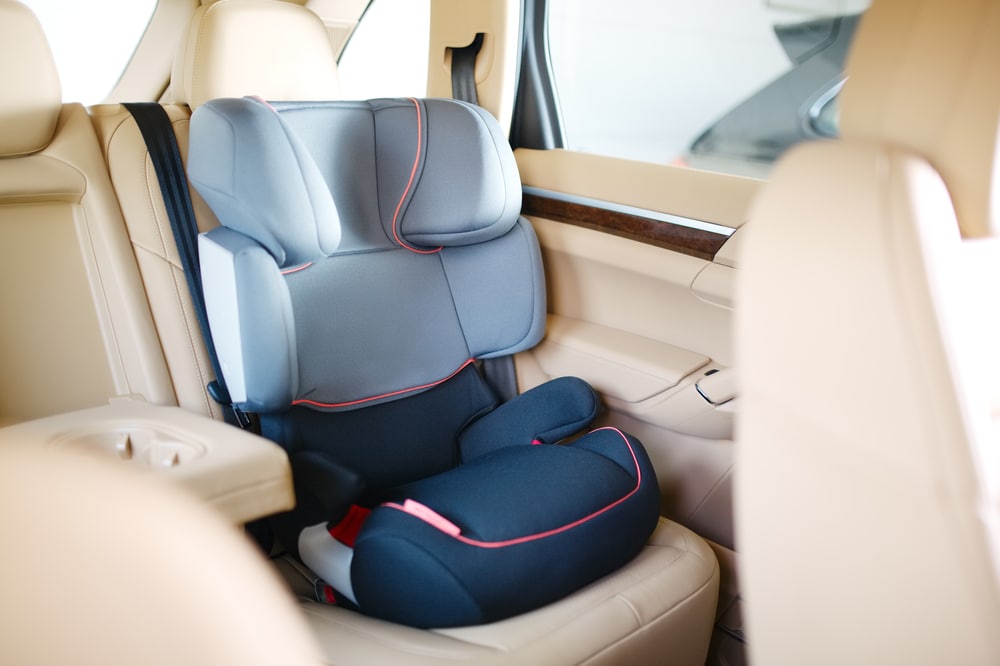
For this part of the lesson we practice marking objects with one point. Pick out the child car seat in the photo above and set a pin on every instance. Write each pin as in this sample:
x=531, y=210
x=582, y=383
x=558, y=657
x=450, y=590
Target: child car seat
x=370, y=254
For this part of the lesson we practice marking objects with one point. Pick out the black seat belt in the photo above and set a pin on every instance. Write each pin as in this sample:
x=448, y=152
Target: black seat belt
x=158, y=133
x=498, y=372
x=463, y=71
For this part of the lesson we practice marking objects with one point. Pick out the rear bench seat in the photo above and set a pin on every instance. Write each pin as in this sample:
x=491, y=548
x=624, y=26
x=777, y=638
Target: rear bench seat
x=658, y=608
x=77, y=329
x=227, y=54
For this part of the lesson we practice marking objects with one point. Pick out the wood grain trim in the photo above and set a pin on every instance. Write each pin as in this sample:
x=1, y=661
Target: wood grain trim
x=693, y=242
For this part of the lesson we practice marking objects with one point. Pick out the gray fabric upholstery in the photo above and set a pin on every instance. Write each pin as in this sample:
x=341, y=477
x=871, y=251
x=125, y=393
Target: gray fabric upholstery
x=382, y=321
x=465, y=188
x=351, y=217
x=250, y=310
x=507, y=270
x=274, y=193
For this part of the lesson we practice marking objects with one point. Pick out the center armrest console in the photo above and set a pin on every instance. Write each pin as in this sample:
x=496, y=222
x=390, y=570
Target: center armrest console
x=243, y=476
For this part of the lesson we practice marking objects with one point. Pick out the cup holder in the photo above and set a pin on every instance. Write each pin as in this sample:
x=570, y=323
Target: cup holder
x=138, y=445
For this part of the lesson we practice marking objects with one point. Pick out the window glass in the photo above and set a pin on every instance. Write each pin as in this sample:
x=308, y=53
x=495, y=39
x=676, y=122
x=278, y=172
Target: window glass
x=92, y=41
x=387, y=53
x=723, y=85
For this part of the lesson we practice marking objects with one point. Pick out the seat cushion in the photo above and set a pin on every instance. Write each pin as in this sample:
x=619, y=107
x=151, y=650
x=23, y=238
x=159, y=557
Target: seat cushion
x=659, y=608
x=508, y=532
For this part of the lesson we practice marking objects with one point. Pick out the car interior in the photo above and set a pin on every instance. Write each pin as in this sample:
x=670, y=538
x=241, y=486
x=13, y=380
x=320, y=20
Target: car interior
x=798, y=366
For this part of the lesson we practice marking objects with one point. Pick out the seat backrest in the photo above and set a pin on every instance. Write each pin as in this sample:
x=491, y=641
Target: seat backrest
x=235, y=47
x=76, y=330
x=867, y=478
x=116, y=567
x=369, y=252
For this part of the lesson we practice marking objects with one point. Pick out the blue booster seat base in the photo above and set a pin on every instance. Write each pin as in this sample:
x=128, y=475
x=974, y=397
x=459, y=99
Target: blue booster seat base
x=506, y=533
x=369, y=253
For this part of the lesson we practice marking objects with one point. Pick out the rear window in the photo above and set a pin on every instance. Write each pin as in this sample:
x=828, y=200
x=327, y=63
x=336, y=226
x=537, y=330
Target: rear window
x=92, y=42
x=724, y=85
x=386, y=55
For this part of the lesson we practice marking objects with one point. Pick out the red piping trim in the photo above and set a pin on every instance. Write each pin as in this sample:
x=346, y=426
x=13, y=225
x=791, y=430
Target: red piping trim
x=263, y=101
x=552, y=532
x=409, y=185
x=296, y=269
x=391, y=394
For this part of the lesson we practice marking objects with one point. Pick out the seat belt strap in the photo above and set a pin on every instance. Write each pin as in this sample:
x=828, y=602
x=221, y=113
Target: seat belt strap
x=498, y=372
x=501, y=376
x=463, y=71
x=158, y=134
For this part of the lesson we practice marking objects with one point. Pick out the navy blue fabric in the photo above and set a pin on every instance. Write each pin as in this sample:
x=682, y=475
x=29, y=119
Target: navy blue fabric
x=547, y=414
x=393, y=443
x=325, y=484
x=384, y=445
x=406, y=570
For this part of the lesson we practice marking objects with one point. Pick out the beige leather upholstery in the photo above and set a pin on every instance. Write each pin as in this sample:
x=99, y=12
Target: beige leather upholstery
x=31, y=93
x=152, y=241
x=76, y=330
x=275, y=50
x=268, y=48
x=658, y=609
x=926, y=80
x=866, y=490
x=104, y=566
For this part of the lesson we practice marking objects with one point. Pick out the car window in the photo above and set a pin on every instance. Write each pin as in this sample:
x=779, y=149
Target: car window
x=92, y=42
x=724, y=85
x=387, y=52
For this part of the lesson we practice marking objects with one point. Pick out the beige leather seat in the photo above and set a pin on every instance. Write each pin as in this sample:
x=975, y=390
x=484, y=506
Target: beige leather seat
x=233, y=48
x=867, y=475
x=76, y=330
x=105, y=566
x=660, y=607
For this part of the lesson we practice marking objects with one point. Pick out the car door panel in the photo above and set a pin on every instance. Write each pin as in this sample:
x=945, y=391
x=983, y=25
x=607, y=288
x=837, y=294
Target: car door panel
x=638, y=307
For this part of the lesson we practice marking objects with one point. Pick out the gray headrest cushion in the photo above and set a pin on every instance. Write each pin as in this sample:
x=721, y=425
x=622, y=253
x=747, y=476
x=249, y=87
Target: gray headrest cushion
x=444, y=173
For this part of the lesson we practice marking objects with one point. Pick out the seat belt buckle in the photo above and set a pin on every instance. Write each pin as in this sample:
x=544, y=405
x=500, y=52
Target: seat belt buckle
x=221, y=396
x=242, y=418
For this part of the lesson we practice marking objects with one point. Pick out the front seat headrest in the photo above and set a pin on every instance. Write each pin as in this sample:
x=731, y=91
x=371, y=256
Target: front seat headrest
x=941, y=103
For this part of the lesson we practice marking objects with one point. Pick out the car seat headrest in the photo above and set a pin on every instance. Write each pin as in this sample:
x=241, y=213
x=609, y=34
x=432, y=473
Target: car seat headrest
x=32, y=97
x=461, y=181
x=942, y=104
x=278, y=50
x=444, y=175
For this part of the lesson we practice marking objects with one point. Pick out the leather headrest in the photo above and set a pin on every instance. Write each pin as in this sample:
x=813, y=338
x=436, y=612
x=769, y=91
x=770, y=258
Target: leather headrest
x=31, y=98
x=923, y=76
x=275, y=50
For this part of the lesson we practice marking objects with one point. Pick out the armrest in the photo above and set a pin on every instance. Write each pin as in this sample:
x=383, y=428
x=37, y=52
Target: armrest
x=544, y=415
x=620, y=365
x=240, y=474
